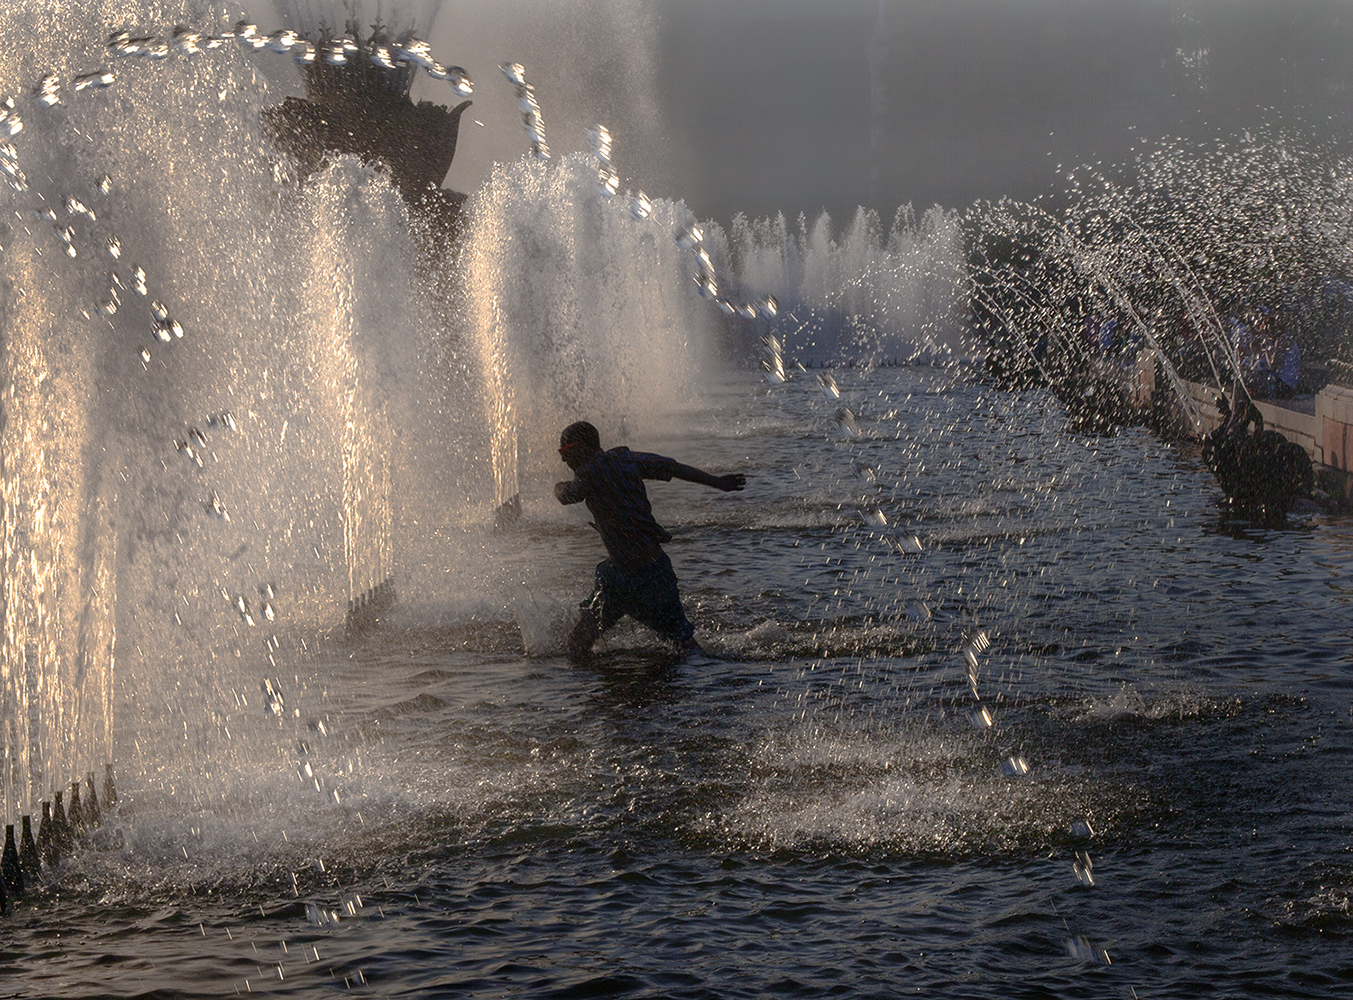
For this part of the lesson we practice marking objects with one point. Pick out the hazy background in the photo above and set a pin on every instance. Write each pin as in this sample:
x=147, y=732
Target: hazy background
x=798, y=105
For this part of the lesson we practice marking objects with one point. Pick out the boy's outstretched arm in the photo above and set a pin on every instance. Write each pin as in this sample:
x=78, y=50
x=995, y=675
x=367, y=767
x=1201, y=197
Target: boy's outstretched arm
x=728, y=483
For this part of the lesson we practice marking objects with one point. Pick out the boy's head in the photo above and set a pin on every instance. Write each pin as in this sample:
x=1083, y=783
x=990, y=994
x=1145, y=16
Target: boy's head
x=578, y=443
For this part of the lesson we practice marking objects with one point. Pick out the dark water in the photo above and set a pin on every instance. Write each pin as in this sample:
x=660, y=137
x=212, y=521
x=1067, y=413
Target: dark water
x=811, y=812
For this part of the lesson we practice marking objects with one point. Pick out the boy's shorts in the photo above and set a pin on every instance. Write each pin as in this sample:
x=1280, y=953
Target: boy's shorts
x=648, y=594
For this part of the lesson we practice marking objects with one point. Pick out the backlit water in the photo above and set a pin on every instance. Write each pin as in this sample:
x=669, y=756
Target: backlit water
x=811, y=811
x=992, y=708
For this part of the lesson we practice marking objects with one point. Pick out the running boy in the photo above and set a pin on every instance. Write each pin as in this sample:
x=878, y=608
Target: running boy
x=637, y=578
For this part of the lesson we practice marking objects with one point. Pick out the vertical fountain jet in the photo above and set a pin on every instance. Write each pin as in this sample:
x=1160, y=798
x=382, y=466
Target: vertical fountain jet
x=357, y=103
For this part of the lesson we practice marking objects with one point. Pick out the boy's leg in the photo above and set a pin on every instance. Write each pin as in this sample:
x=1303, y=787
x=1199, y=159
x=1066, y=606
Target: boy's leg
x=657, y=604
x=596, y=614
x=586, y=632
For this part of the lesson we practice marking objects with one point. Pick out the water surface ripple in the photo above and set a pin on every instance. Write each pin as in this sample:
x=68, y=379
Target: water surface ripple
x=813, y=813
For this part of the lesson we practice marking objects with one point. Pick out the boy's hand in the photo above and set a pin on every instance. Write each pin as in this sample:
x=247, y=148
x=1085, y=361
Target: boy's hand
x=732, y=481
x=559, y=490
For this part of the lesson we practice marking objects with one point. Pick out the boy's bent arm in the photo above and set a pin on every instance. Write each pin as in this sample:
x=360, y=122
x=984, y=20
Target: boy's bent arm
x=728, y=483
x=570, y=492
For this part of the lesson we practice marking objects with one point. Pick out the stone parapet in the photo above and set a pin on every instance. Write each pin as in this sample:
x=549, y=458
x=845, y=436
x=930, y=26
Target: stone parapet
x=1334, y=420
x=1322, y=425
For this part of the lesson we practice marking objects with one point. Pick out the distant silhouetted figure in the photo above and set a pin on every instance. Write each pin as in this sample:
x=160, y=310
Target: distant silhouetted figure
x=1256, y=468
x=637, y=578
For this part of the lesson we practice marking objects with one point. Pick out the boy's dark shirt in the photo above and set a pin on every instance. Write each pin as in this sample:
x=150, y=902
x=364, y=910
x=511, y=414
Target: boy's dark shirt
x=612, y=485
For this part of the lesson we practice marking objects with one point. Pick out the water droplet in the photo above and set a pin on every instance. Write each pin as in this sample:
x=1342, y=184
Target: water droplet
x=335, y=53
x=460, y=81
x=273, y=702
x=1015, y=767
x=981, y=718
x=123, y=43
x=849, y=422
x=864, y=471
x=919, y=611
x=282, y=40
x=970, y=665
x=640, y=206
x=608, y=182
x=769, y=307
x=105, y=184
x=303, y=53
x=145, y=356
x=99, y=79
x=977, y=641
x=706, y=285
x=197, y=437
x=48, y=90
x=600, y=138
x=828, y=385
x=189, y=452
x=74, y=206
x=1082, y=830
x=690, y=236
x=159, y=310
x=418, y=52
x=163, y=332
x=226, y=420
x=247, y=36
x=9, y=166
x=320, y=917
x=216, y=508
x=1084, y=868
x=1080, y=949
x=139, y=280
x=515, y=73
x=186, y=40
x=381, y=56
x=12, y=125
x=746, y=310
x=874, y=517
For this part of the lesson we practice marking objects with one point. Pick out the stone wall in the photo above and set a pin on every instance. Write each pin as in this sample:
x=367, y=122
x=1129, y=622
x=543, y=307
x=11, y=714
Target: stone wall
x=1322, y=424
